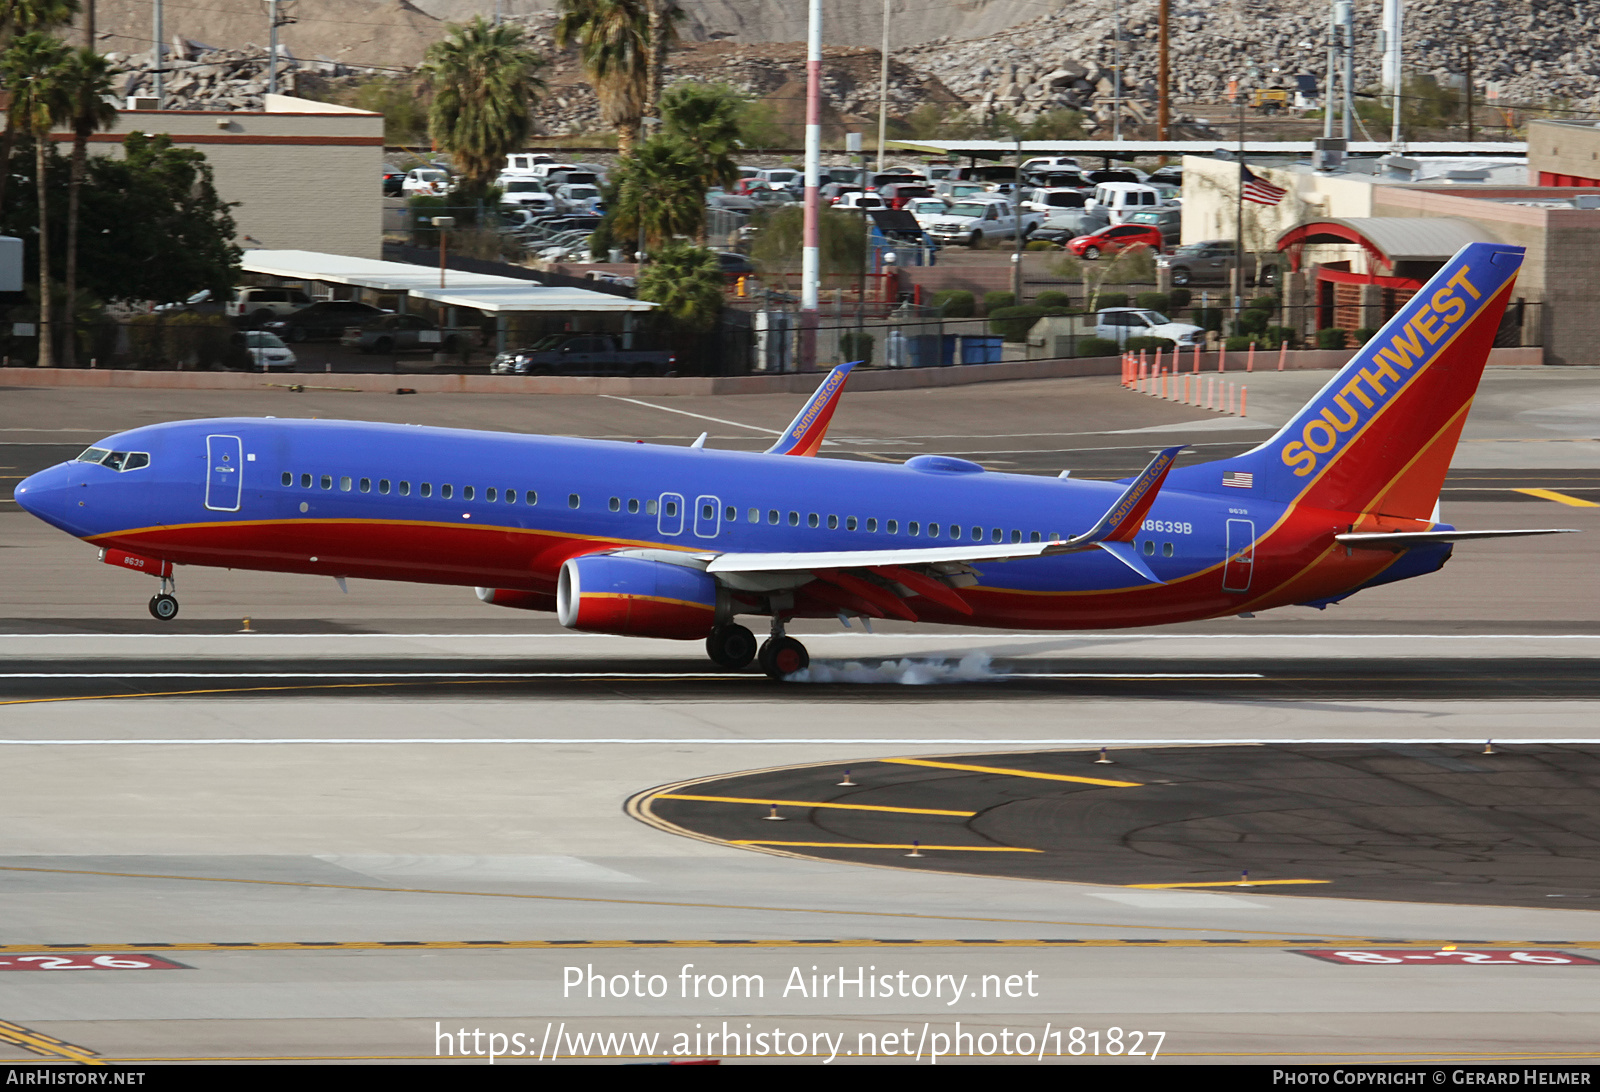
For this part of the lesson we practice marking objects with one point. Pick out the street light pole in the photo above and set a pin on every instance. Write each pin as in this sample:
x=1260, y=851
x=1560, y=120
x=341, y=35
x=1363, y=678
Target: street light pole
x=443, y=224
x=883, y=87
x=810, y=252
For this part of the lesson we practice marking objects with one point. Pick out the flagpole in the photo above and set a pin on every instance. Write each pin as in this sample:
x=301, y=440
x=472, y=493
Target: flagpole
x=1238, y=253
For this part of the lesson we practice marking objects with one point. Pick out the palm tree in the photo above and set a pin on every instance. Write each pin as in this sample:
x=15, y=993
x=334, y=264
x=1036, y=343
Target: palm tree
x=484, y=82
x=86, y=78
x=613, y=38
x=659, y=194
x=33, y=67
x=664, y=15
x=706, y=119
x=686, y=282
x=17, y=17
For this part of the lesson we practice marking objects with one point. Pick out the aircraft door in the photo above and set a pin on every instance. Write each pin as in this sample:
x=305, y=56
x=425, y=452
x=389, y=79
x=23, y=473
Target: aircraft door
x=707, y=516
x=224, y=468
x=1241, y=563
x=670, y=519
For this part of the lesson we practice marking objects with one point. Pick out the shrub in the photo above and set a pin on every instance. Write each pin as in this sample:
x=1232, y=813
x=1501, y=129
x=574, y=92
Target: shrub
x=1263, y=303
x=1207, y=318
x=1277, y=335
x=994, y=301
x=1237, y=344
x=856, y=345
x=1040, y=244
x=1365, y=334
x=1137, y=343
x=955, y=303
x=1052, y=298
x=1179, y=297
x=1153, y=301
x=1251, y=321
x=1097, y=346
x=1113, y=299
x=1331, y=338
x=1013, y=323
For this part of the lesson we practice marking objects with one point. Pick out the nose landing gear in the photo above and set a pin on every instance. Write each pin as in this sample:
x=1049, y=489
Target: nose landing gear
x=164, y=605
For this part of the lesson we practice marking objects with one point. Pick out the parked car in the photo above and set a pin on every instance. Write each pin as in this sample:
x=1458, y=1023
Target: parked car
x=322, y=321
x=1167, y=219
x=524, y=162
x=974, y=221
x=399, y=333
x=584, y=354
x=393, y=179
x=257, y=305
x=719, y=198
x=1114, y=240
x=926, y=209
x=835, y=190
x=1120, y=323
x=783, y=178
x=861, y=199
x=735, y=265
x=524, y=192
x=896, y=194
x=1121, y=199
x=1048, y=199
x=577, y=197
x=956, y=190
x=1171, y=175
x=1066, y=225
x=1048, y=162
x=1210, y=262
x=267, y=351
x=426, y=182
x=1115, y=174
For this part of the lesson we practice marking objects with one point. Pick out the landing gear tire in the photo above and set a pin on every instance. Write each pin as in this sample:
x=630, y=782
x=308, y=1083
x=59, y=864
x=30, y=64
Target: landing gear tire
x=732, y=647
x=163, y=607
x=782, y=656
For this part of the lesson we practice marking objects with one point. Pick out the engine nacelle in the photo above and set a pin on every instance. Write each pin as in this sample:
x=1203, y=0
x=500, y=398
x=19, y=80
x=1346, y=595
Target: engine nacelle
x=602, y=593
x=520, y=600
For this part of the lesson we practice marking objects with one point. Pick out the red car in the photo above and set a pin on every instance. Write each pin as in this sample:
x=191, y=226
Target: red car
x=1114, y=240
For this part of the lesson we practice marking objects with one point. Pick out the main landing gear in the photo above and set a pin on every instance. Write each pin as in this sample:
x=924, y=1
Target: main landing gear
x=733, y=647
x=164, y=605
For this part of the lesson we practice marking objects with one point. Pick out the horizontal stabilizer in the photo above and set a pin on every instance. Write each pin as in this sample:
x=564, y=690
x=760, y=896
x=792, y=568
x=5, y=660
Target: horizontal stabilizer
x=1405, y=540
x=1128, y=554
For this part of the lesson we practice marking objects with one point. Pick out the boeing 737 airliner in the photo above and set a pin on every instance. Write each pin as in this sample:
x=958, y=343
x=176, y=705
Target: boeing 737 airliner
x=656, y=541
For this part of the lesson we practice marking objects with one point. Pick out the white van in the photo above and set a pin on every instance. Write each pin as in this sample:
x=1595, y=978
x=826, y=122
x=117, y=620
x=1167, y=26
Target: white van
x=523, y=163
x=1122, y=199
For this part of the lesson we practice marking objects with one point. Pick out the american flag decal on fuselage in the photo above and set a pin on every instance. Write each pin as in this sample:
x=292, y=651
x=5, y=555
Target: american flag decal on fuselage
x=1238, y=479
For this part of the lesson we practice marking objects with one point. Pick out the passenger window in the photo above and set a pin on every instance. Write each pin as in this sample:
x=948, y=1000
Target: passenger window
x=933, y=530
x=753, y=515
x=615, y=504
x=466, y=492
x=288, y=478
x=772, y=516
x=1166, y=549
x=511, y=496
x=977, y=534
x=405, y=489
x=998, y=535
x=530, y=498
x=794, y=519
x=327, y=481
x=1149, y=547
x=708, y=511
x=1016, y=536
x=383, y=486
x=672, y=506
x=849, y=523
x=426, y=489
x=811, y=520
x=833, y=523
x=732, y=514
x=490, y=494
x=1033, y=536
x=633, y=506
x=305, y=481
x=344, y=484
x=872, y=524
x=912, y=529
x=892, y=526
x=1055, y=536
x=572, y=502
x=649, y=508
x=366, y=485
x=446, y=490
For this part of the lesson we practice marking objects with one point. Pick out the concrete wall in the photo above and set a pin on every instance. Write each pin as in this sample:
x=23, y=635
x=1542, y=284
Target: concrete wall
x=303, y=179
x=1567, y=148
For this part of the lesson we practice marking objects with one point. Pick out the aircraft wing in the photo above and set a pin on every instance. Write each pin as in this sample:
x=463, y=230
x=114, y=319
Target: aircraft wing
x=1405, y=540
x=1113, y=532
x=805, y=433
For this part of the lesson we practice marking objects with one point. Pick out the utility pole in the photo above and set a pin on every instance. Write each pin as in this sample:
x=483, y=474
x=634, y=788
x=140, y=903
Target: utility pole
x=1116, y=64
x=88, y=24
x=1238, y=252
x=1163, y=92
x=1016, y=217
x=1394, y=16
x=272, y=49
x=160, y=59
x=1471, y=129
x=810, y=252
x=883, y=87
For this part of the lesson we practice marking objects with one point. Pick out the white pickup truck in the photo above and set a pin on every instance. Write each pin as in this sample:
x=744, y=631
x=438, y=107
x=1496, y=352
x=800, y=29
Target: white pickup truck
x=973, y=220
x=1117, y=324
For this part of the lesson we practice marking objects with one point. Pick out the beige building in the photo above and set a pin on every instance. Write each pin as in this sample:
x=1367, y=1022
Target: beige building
x=306, y=175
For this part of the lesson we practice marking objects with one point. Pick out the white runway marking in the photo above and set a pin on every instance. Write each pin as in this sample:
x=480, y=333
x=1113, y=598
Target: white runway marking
x=701, y=416
x=890, y=741
x=562, y=675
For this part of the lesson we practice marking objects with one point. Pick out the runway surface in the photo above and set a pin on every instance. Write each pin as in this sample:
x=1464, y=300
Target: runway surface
x=384, y=818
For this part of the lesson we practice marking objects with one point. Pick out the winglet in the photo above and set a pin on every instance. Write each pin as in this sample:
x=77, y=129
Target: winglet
x=1122, y=521
x=804, y=434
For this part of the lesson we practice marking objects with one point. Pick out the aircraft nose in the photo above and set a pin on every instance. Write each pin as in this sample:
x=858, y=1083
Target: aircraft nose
x=46, y=494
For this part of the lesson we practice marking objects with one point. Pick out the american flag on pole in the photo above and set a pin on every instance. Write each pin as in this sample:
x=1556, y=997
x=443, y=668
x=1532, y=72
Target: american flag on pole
x=1258, y=189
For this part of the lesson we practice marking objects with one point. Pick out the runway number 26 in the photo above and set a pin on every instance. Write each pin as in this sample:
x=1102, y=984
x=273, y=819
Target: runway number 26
x=1456, y=957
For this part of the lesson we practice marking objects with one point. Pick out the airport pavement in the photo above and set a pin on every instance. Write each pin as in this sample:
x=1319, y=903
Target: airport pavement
x=397, y=846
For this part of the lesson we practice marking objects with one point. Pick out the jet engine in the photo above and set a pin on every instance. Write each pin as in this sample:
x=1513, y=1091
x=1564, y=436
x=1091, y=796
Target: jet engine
x=636, y=597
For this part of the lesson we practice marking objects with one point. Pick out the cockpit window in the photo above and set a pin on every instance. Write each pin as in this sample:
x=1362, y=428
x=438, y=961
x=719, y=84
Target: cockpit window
x=116, y=460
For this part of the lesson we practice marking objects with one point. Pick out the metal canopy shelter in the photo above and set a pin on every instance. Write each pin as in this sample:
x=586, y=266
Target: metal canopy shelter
x=1128, y=149
x=1388, y=240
